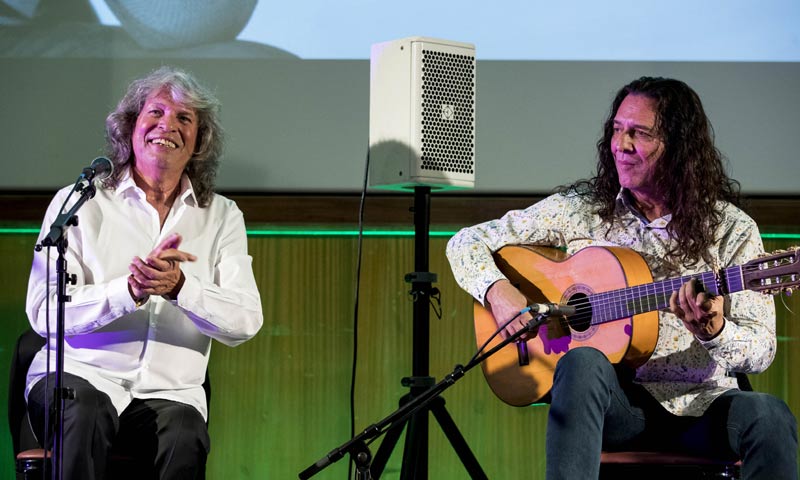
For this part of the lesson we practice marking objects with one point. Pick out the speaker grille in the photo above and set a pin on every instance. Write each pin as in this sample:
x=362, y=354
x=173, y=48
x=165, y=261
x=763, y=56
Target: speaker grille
x=448, y=112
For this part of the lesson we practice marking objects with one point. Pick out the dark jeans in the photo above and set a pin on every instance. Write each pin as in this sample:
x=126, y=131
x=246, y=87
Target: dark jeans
x=595, y=406
x=164, y=439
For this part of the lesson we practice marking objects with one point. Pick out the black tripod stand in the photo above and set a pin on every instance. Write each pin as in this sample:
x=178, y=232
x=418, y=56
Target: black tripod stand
x=416, y=406
x=415, y=453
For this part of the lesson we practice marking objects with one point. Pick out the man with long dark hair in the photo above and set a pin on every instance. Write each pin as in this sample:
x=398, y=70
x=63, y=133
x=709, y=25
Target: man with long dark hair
x=161, y=267
x=661, y=190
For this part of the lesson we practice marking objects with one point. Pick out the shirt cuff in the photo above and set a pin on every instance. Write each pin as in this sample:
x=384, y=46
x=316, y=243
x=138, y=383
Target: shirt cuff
x=719, y=339
x=119, y=296
x=486, y=284
x=189, y=294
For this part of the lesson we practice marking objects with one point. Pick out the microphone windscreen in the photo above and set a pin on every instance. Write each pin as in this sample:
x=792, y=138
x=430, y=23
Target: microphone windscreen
x=103, y=168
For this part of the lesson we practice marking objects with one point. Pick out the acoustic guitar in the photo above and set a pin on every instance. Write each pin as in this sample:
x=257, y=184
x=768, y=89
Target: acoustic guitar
x=616, y=304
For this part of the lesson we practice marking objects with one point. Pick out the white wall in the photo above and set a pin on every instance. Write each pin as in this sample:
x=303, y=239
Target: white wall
x=302, y=125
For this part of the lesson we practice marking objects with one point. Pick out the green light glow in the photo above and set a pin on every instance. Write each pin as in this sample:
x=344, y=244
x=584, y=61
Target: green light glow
x=781, y=236
x=340, y=233
x=17, y=231
x=306, y=232
x=328, y=232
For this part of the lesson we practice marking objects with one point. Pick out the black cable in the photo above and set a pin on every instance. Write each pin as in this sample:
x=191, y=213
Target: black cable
x=355, y=309
x=497, y=332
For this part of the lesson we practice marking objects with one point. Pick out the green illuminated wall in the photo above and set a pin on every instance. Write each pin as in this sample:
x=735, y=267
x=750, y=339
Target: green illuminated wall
x=281, y=401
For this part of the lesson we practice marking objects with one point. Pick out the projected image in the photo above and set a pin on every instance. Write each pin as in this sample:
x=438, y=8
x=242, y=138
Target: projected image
x=143, y=29
x=520, y=30
x=716, y=30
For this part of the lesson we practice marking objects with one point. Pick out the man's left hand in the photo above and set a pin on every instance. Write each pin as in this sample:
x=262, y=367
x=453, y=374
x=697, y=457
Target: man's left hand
x=160, y=273
x=700, y=312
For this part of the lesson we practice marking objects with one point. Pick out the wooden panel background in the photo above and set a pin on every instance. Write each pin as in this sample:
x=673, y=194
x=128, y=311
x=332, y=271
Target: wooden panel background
x=281, y=401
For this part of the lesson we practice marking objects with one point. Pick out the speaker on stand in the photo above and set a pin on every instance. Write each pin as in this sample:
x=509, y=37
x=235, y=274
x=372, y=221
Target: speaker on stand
x=422, y=139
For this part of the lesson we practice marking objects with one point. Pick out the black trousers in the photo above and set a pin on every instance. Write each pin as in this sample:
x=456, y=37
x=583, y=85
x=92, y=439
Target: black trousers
x=162, y=438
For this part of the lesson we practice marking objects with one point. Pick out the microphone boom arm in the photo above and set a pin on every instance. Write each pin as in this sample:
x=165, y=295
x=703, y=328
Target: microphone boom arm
x=67, y=219
x=357, y=445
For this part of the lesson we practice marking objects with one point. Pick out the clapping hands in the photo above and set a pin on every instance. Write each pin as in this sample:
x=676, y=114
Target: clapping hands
x=160, y=273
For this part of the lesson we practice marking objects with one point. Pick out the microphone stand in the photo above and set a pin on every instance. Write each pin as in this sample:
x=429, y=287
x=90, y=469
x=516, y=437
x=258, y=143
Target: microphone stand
x=57, y=238
x=357, y=446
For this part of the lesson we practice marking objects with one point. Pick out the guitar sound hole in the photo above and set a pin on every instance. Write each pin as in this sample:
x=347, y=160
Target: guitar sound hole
x=582, y=320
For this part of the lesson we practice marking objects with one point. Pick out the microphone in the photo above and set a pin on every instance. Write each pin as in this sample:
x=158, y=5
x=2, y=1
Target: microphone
x=100, y=169
x=539, y=311
x=551, y=309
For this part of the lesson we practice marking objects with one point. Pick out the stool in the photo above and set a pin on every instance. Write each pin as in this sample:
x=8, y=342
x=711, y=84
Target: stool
x=30, y=464
x=665, y=465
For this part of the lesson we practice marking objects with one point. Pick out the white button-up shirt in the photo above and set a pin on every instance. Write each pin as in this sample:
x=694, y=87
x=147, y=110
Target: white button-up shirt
x=160, y=349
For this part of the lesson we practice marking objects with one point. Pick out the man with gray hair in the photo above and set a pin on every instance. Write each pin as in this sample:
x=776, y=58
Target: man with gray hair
x=161, y=268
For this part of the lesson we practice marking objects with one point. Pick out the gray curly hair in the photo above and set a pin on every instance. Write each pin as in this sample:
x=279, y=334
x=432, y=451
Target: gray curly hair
x=185, y=89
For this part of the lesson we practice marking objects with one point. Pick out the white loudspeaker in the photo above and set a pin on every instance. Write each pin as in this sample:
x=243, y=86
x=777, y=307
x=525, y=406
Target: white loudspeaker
x=422, y=114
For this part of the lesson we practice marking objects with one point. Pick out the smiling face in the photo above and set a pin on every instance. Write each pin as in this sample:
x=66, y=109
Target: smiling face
x=637, y=146
x=164, y=136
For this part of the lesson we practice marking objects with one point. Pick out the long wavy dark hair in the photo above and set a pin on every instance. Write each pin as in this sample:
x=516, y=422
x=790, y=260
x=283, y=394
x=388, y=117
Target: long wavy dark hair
x=184, y=89
x=691, y=173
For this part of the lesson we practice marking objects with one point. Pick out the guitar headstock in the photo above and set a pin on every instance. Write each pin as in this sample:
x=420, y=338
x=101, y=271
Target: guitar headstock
x=774, y=272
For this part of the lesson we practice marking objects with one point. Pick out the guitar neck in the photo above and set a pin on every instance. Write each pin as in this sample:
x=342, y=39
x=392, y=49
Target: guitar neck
x=629, y=301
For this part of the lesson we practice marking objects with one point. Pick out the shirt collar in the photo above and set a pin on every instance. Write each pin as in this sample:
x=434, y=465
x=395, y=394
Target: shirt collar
x=625, y=202
x=185, y=194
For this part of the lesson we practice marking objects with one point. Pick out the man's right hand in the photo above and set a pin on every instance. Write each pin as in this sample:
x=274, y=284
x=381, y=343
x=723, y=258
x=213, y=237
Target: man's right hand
x=160, y=274
x=504, y=300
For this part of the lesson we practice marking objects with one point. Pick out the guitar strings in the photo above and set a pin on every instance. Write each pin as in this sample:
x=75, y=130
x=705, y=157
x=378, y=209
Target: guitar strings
x=621, y=298
x=616, y=304
x=618, y=298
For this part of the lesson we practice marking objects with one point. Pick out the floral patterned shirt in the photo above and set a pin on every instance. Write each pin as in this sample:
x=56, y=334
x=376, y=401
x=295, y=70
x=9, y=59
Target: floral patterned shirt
x=684, y=373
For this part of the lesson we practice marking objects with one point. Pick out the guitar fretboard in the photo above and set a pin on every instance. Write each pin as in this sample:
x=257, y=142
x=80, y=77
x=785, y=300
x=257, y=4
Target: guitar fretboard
x=626, y=302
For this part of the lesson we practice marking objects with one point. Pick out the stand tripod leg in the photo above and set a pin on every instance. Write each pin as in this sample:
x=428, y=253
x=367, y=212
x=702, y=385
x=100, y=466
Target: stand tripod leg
x=415, y=447
x=387, y=445
x=415, y=458
x=415, y=454
x=457, y=440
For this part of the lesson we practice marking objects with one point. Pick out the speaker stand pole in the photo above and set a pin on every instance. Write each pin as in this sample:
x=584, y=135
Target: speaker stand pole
x=415, y=453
